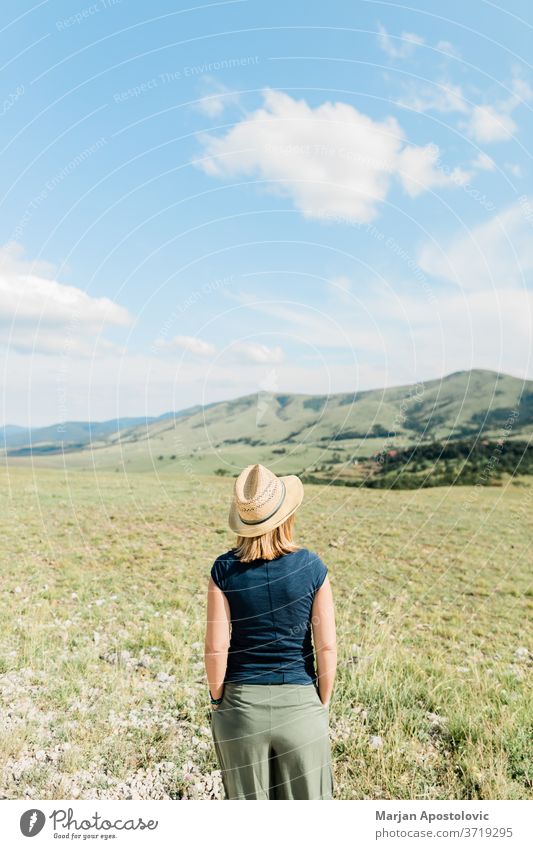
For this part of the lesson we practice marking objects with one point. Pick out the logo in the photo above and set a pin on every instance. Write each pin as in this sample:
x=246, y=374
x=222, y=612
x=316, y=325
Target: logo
x=32, y=822
x=267, y=386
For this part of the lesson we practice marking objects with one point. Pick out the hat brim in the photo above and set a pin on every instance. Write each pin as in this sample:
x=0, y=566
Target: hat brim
x=294, y=493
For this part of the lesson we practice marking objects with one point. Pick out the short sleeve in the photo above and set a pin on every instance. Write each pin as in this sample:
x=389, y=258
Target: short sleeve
x=319, y=572
x=217, y=573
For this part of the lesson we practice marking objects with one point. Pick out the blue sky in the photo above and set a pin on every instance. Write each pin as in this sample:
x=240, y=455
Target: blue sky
x=205, y=200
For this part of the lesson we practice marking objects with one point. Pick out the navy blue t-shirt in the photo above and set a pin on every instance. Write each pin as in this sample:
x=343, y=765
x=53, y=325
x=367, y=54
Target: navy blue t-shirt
x=270, y=603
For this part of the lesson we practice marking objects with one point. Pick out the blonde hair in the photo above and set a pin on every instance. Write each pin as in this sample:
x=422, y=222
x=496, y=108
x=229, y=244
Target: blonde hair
x=268, y=546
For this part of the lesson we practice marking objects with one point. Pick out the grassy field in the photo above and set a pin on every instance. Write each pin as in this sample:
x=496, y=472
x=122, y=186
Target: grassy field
x=102, y=619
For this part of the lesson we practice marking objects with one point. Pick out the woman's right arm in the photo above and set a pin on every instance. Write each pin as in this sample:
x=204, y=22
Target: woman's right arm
x=217, y=638
x=325, y=640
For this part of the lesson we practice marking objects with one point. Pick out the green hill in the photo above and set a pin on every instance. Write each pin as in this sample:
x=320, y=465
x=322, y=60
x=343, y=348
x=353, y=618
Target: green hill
x=297, y=433
x=70, y=436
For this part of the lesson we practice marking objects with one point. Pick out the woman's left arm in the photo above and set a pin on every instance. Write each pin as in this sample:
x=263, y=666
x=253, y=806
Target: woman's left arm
x=217, y=638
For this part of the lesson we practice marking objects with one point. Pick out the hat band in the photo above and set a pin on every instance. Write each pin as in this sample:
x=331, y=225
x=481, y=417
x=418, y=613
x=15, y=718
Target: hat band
x=260, y=521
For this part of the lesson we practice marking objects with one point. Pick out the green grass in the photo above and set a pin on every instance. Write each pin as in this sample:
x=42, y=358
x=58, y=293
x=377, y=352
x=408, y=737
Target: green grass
x=101, y=571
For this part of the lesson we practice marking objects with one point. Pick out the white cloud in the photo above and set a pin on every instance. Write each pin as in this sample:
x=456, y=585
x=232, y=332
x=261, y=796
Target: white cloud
x=447, y=47
x=461, y=330
x=216, y=98
x=238, y=350
x=483, y=162
x=38, y=313
x=372, y=342
x=191, y=344
x=419, y=171
x=332, y=161
x=314, y=327
x=522, y=92
x=258, y=353
x=440, y=96
x=38, y=390
x=513, y=168
x=341, y=287
x=494, y=255
x=407, y=336
x=407, y=339
x=403, y=46
x=488, y=124
x=399, y=47
x=482, y=319
x=493, y=122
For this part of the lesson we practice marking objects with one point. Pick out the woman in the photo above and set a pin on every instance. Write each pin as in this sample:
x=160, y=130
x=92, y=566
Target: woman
x=270, y=708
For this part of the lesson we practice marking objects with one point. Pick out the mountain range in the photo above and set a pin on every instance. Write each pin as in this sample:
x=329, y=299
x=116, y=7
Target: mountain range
x=290, y=432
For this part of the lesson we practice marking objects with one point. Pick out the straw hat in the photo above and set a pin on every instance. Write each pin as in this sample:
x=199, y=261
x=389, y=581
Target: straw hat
x=262, y=501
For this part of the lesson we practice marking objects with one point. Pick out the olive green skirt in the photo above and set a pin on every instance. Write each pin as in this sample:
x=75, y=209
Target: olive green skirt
x=272, y=742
